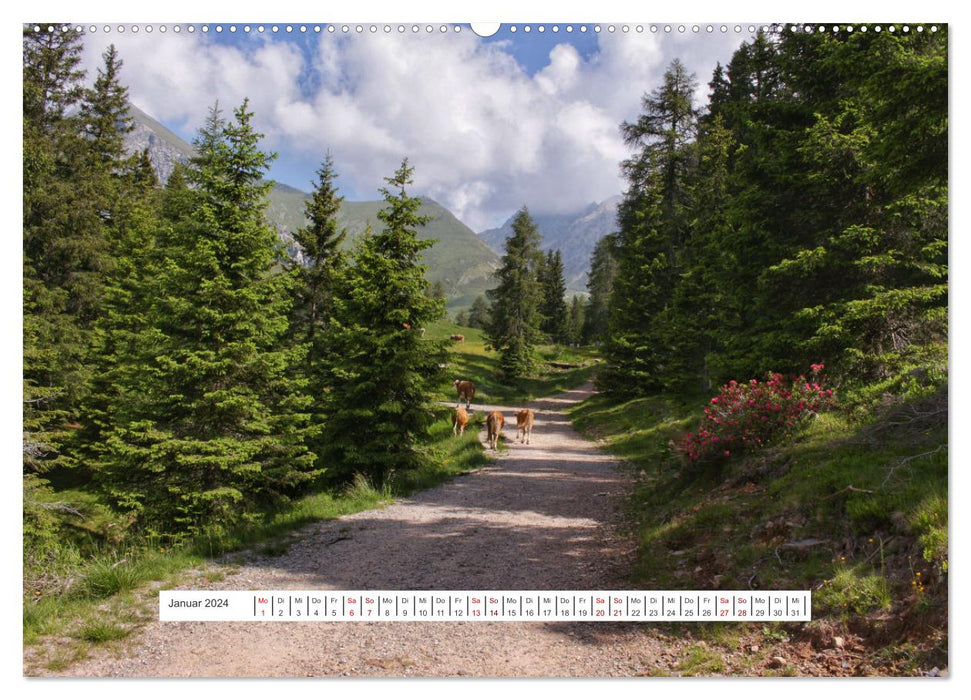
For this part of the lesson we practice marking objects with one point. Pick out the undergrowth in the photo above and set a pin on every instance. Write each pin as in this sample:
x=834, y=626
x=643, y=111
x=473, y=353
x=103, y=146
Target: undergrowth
x=852, y=506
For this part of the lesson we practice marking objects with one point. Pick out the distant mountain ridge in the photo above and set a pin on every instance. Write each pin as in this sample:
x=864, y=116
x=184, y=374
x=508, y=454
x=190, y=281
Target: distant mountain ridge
x=575, y=235
x=460, y=260
x=165, y=148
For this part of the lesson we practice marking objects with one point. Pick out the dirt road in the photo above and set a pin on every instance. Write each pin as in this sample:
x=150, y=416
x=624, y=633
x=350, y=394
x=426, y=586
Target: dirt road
x=541, y=516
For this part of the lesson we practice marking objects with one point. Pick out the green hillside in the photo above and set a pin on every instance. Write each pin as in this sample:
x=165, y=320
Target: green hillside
x=460, y=260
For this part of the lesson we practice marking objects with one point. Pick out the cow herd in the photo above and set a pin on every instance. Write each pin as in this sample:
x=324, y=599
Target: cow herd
x=494, y=421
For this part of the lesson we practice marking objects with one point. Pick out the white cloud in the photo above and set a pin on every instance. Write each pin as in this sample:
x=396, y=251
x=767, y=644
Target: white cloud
x=484, y=136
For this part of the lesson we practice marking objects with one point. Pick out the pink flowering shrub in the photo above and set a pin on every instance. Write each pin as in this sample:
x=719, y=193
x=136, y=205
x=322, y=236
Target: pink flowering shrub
x=750, y=415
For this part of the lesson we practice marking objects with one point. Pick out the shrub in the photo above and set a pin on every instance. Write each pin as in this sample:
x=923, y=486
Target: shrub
x=752, y=414
x=853, y=590
x=929, y=521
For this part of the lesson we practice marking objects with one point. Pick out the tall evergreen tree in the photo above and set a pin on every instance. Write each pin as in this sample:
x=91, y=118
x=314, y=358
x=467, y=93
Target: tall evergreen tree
x=515, y=320
x=553, y=308
x=479, y=313
x=866, y=288
x=104, y=116
x=379, y=405
x=70, y=196
x=437, y=291
x=55, y=346
x=653, y=223
x=315, y=278
x=698, y=315
x=209, y=424
x=576, y=320
x=600, y=284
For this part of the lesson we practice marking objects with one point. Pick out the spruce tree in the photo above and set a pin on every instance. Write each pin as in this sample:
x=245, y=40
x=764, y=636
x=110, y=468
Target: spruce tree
x=479, y=313
x=600, y=284
x=653, y=223
x=209, y=424
x=553, y=307
x=70, y=197
x=576, y=320
x=315, y=274
x=379, y=405
x=437, y=291
x=515, y=320
x=866, y=287
x=699, y=314
x=104, y=116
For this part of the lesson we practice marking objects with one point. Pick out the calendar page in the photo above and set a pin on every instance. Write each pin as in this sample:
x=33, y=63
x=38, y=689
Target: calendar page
x=517, y=349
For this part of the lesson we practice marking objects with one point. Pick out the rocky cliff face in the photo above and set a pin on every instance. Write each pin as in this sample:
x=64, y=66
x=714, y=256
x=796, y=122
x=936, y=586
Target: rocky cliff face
x=575, y=235
x=164, y=147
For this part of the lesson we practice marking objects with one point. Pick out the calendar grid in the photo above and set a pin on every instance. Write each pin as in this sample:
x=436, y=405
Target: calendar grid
x=485, y=606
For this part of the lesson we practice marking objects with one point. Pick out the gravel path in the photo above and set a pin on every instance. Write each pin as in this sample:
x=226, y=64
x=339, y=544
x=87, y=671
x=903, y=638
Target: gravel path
x=541, y=516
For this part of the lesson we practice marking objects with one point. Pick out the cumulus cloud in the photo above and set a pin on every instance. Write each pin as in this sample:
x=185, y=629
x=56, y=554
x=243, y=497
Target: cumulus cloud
x=484, y=136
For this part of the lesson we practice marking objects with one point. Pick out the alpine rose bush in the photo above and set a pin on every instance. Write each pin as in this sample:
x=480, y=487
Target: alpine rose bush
x=750, y=415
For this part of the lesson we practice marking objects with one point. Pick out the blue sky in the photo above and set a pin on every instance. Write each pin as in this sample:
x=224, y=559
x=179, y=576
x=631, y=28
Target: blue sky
x=489, y=124
x=532, y=50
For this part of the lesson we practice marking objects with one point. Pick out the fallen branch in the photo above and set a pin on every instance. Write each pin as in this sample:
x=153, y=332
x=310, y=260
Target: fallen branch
x=905, y=460
x=851, y=487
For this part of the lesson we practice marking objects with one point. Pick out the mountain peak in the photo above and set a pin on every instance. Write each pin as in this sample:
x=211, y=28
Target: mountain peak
x=575, y=235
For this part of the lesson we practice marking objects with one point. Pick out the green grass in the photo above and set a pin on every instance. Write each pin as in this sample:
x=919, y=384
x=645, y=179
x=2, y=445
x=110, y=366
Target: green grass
x=101, y=632
x=471, y=360
x=929, y=522
x=701, y=661
x=855, y=590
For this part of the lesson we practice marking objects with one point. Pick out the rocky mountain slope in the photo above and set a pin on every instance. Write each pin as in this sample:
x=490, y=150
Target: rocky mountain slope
x=575, y=235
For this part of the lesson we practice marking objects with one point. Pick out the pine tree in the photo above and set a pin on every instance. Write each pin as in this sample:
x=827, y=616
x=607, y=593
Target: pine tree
x=54, y=344
x=866, y=288
x=575, y=328
x=515, y=318
x=479, y=313
x=553, y=307
x=379, y=406
x=69, y=199
x=209, y=423
x=104, y=116
x=698, y=315
x=315, y=278
x=653, y=223
x=437, y=291
x=600, y=283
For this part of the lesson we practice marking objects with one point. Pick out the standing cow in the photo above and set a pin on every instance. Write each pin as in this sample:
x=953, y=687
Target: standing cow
x=466, y=391
x=524, y=424
x=459, y=420
x=494, y=425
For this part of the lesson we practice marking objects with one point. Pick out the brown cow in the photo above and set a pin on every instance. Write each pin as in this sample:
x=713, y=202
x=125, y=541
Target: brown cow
x=459, y=420
x=494, y=424
x=466, y=391
x=524, y=424
x=459, y=338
